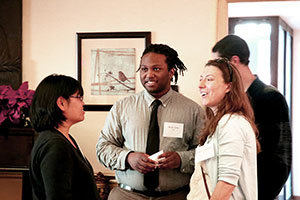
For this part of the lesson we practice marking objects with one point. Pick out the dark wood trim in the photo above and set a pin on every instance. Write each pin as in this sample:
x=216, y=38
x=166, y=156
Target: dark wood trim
x=10, y=165
x=285, y=26
x=22, y=131
x=9, y=174
x=274, y=50
x=12, y=159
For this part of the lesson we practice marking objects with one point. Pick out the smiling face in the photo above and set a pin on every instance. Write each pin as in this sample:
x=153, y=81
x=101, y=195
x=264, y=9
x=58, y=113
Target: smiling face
x=154, y=74
x=212, y=87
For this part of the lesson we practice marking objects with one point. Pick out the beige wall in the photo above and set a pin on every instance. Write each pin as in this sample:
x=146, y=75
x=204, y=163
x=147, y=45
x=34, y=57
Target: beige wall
x=49, y=41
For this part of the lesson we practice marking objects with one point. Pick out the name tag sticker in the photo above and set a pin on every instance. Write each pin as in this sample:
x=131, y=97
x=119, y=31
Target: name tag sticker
x=174, y=130
x=204, y=152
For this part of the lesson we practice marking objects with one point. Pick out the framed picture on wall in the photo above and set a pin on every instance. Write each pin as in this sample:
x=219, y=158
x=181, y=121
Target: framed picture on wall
x=107, y=65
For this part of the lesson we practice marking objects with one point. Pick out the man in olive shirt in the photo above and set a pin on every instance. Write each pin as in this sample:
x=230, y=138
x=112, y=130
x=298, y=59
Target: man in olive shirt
x=123, y=140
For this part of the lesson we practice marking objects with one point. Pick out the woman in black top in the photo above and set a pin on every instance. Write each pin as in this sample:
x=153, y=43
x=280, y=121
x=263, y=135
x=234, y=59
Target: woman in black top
x=58, y=170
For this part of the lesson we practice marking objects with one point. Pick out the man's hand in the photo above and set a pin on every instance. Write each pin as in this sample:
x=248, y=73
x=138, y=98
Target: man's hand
x=171, y=160
x=140, y=162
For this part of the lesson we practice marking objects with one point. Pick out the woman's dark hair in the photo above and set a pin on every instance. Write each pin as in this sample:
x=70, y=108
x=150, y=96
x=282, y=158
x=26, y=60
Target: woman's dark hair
x=172, y=58
x=234, y=102
x=232, y=45
x=44, y=112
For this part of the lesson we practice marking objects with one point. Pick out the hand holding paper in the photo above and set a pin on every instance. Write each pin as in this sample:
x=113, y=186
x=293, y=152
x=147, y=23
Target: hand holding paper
x=155, y=156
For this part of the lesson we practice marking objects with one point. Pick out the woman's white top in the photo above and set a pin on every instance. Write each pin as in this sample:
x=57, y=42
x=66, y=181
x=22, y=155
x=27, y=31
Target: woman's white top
x=231, y=158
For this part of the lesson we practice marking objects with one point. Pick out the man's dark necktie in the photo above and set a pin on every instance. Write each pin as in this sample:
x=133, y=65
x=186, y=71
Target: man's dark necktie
x=151, y=178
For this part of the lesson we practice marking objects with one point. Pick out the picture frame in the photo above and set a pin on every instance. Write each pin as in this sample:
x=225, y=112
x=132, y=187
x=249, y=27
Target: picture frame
x=107, y=65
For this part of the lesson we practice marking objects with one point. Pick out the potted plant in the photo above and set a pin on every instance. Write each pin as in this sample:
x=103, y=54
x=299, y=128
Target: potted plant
x=14, y=105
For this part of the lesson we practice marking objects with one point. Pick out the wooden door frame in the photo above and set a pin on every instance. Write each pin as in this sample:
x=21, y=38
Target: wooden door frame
x=222, y=15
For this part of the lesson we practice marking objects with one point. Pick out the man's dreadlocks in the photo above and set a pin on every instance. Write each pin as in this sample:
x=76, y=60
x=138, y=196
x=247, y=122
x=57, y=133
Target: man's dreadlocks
x=172, y=58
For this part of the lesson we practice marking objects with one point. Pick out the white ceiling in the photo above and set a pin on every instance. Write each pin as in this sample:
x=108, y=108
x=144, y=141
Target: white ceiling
x=289, y=11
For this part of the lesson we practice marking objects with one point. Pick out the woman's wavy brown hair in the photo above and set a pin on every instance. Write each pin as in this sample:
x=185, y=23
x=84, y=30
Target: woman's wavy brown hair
x=234, y=102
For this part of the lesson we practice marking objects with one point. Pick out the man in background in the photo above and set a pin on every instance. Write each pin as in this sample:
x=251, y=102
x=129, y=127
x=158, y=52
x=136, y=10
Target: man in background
x=271, y=117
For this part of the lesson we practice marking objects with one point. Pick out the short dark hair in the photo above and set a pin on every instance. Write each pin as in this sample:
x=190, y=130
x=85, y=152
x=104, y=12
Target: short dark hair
x=44, y=112
x=172, y=58
x=233, y=45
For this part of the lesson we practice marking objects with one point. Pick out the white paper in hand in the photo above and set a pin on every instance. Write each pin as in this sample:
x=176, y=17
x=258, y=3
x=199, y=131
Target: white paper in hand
x=154, y=157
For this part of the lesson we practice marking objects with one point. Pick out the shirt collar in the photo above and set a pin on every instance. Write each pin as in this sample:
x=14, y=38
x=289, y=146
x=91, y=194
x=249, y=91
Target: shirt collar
x=254, y=82
x=164, y=99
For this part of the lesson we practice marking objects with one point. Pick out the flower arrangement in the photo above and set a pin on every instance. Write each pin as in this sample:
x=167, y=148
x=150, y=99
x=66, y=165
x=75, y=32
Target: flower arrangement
x=14, y=104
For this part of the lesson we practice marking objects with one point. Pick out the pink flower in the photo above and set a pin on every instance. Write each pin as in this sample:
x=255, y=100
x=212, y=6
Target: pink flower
x=14, y=102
